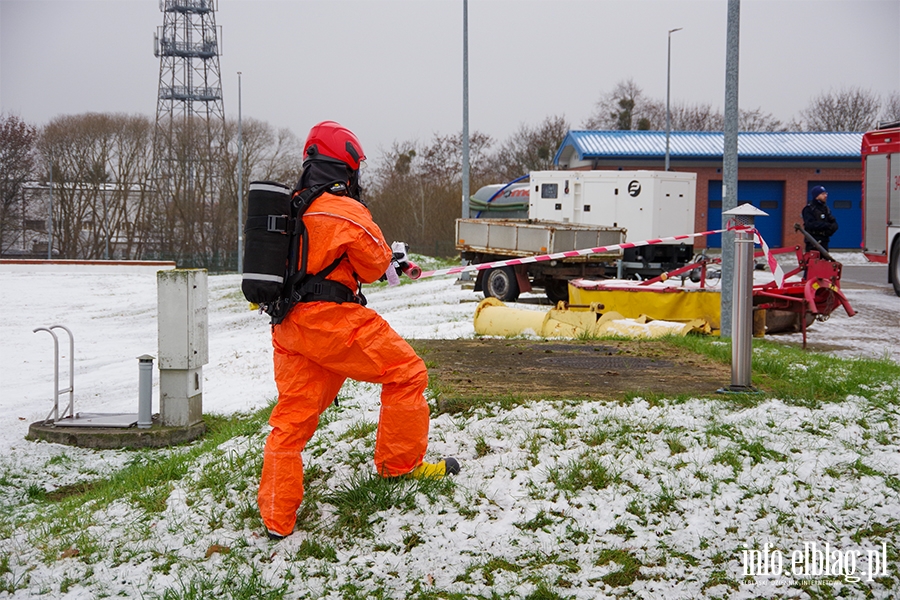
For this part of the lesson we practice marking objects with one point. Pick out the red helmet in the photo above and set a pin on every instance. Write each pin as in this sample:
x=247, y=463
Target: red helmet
x=331, y=141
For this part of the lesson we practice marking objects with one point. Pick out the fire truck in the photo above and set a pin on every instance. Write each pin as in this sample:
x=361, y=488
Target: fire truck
x=881, y=198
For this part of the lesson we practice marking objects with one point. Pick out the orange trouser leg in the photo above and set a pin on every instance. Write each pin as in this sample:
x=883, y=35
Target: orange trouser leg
x=355, y=342
x=304, y=390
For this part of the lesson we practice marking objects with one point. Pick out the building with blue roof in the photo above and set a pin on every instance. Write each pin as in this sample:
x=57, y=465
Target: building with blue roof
x=776, y=171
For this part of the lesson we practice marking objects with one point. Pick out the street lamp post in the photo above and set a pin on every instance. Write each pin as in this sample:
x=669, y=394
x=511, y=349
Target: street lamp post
x=240, y=198
x=668, y=93
x=465, y=132
x=50, y=214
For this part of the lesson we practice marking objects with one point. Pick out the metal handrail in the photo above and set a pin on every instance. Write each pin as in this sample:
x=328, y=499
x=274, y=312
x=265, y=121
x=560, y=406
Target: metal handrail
x=71, y=389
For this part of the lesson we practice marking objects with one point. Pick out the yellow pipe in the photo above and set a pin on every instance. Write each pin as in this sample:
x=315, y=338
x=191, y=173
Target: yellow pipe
x=492, y=317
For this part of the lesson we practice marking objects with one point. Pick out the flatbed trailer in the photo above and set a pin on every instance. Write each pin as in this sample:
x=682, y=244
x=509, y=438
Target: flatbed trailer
x=489, y=240
x=577, y=210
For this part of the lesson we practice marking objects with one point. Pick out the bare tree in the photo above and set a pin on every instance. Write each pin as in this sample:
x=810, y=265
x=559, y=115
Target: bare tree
x=847, y=109
x=530, y=148
x=67, y=147
x=269, y=154
x=131, y=168
x=101, y=167
x=757, y=120
x=415, y=190
x=191, y=215
x=17, y=160
x=626, y=107
x=890, y=108
x=686, y=117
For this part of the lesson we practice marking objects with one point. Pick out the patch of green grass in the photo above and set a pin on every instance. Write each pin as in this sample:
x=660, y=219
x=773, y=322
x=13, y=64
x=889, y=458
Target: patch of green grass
x=146, y=480
x=657, y=399
x=226, y=472
x=359, y=430
x=411, y=540
x=623, y=530
x=577, y=535
x=665, y=502
x=720, y=577
x=494, y=564
x=676, y=446
x=241, y=580
x=730, y=457
x=452, y=404
x=359, y=498
x=482, y=448
x=312, y=549
x=59, y=459
x=36, y=492
x=629, y=571
x=758, y=452
x=878, y=531
x=544, y=591
x=541, y=521
x=559, y=436
x=863, y=469
x=637, y=509
x=804, y=378
x=597, y=436
x=580, y=473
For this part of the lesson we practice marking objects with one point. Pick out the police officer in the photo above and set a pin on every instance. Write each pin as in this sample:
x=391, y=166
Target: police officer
x=817, y=218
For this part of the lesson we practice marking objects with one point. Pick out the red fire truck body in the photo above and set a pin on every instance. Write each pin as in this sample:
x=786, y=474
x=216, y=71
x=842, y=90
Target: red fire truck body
x=881, y=199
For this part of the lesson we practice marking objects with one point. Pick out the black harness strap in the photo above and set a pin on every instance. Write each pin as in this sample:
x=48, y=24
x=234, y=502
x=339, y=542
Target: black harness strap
x=316, y=288
x=273, y=223
x=300, y=285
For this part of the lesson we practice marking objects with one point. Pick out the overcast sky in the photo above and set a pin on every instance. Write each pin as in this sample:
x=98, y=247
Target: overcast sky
x=391, y=70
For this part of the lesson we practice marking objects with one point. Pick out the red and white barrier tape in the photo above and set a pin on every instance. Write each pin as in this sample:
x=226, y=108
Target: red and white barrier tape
x=776, y=269
x=773, y=264
x=560, y=255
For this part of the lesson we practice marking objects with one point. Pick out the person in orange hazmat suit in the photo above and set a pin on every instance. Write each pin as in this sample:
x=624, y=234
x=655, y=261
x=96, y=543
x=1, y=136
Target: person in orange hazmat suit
x=329, y=335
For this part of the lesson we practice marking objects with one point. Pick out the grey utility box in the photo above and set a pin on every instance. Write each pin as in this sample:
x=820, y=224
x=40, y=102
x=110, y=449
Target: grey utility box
x=183, y=345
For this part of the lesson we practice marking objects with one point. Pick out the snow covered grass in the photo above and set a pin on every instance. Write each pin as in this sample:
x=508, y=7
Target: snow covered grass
x=644, y=497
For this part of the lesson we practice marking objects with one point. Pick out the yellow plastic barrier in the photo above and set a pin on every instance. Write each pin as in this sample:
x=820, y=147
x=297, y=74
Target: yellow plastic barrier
x=673, y=304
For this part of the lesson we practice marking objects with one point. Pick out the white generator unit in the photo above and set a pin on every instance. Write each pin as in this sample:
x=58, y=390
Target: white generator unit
x=648, y=204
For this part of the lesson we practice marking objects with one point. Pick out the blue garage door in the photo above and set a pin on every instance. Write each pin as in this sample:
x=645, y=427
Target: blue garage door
x=845, y=202
x=767, y=196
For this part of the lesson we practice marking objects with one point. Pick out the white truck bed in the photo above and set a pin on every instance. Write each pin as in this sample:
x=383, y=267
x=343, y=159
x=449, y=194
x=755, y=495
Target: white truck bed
x=524, y=237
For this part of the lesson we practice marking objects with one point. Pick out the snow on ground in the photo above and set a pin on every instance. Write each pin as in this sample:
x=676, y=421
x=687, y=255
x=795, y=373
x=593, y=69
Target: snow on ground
x=676, y=489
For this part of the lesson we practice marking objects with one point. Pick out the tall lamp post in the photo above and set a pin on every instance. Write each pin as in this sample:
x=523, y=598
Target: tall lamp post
x=240, y=198
x=50, y=215
x=668, y=93
x=465, y=132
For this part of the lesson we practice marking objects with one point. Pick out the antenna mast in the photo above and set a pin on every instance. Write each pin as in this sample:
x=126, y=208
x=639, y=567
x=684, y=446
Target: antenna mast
x=189, y=133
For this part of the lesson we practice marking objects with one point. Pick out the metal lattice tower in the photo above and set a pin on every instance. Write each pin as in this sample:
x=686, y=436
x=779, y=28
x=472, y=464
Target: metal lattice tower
x=189, y=133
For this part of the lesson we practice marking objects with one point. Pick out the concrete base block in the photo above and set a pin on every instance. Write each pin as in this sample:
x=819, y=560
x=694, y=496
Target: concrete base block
x=157, y=436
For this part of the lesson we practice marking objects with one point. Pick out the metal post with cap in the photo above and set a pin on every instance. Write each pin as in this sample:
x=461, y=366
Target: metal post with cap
x=668, y=90
x=742, y=299
x=145, y=391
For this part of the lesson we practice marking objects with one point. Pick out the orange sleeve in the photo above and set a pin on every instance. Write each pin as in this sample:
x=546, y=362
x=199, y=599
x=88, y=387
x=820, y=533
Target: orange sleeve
x=370, y=255
x=339, y=225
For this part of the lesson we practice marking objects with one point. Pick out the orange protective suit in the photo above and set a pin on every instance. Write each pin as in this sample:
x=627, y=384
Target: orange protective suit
x=321, y=344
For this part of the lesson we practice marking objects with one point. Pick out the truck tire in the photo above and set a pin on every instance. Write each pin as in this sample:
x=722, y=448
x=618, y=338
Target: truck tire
x=501, y=284
x=894, y=266
x=557, y=290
